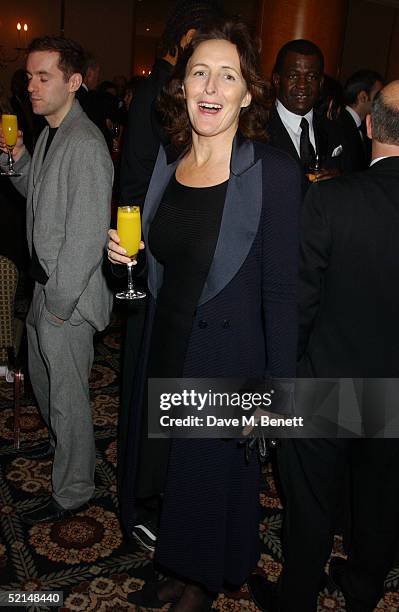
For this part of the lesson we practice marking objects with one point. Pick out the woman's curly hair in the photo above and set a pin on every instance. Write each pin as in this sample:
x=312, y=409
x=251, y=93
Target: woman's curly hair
x=171, y=102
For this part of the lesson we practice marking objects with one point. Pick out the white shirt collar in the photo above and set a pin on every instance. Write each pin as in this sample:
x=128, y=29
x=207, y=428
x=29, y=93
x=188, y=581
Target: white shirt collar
x=354, y=116
x=377, y=159
x=291, y=119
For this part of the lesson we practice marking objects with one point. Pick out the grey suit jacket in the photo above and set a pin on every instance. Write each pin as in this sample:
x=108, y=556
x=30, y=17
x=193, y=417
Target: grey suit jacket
x=68, y=214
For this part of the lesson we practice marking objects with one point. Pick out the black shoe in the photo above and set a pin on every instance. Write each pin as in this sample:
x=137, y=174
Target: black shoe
x=44, y=450
x=336, y=581
x=148, y=596
x=264, y=593
x=146, y=533
x=50, y=512
x=194, y=598
x=336, y=569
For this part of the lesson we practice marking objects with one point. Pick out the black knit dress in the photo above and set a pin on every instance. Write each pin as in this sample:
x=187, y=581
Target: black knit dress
x=182, y=237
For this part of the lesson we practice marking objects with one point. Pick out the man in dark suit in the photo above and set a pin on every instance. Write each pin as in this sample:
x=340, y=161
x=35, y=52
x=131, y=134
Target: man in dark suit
x=359, y=93
x=100, y=106
x=293, y=126
x=349, y=303
x=91, y=73
x=145, y=130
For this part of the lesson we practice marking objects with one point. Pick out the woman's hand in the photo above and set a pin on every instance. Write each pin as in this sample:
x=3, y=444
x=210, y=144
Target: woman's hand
x=117, y=254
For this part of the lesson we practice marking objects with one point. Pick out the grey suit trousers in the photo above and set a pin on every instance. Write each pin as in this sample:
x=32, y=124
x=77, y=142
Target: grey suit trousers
x=60, y=359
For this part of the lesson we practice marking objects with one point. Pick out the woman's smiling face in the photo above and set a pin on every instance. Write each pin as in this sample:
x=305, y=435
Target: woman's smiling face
x=214, y=88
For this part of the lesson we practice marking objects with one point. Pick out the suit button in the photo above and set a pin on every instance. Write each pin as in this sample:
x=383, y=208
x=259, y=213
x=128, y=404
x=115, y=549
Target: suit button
x=226, y=323
x=202, y=324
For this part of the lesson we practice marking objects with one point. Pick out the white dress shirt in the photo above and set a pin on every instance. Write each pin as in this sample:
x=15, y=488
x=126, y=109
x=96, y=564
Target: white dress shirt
x=292, y=124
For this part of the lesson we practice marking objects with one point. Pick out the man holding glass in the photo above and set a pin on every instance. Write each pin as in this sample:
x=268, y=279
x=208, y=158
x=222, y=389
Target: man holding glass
x=68, y=184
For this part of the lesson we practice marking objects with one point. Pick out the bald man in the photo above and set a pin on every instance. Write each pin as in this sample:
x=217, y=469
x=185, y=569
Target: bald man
x=349, y=327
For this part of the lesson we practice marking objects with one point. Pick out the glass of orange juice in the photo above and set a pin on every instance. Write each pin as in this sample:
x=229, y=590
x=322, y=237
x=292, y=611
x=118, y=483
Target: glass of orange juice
x=129, y=232
x=9, y=124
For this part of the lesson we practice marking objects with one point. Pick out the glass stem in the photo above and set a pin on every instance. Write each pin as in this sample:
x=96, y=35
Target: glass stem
x=130, y=286
x=10, y=160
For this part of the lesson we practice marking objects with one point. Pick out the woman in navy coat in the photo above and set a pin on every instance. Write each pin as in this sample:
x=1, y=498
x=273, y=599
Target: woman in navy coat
x=242, y=321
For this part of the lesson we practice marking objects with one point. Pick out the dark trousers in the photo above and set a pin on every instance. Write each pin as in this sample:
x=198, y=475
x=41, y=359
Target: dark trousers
x=152, y=453
x=129, y=358
x=311, y=473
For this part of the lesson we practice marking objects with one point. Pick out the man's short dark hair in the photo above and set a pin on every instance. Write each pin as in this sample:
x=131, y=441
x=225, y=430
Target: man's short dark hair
x=385, y=117
x=72, y=56
x=362, y=80
x=187, y=15
x=90, y=62
x=301, y=46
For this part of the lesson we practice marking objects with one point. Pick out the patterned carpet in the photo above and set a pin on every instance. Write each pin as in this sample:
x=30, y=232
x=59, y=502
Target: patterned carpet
x=86, y=556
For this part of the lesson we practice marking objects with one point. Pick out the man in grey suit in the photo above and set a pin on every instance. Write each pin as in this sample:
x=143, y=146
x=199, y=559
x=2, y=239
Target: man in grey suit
x=68, y=184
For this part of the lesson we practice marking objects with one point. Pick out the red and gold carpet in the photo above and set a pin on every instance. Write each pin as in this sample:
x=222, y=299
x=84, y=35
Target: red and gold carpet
x=86, y=556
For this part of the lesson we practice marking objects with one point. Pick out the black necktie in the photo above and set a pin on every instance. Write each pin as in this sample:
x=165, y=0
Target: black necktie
x=306, y=149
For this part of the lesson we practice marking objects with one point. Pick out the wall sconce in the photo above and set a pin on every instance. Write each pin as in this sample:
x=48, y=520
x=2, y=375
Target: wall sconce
x=22, y=31
x=10, y=55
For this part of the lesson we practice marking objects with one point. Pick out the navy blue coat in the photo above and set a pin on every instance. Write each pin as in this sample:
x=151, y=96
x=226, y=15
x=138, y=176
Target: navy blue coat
x=209, y=524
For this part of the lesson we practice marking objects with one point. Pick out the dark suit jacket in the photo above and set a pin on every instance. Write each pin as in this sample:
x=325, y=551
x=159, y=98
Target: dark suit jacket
x=99, y=106
x=143, y=135
x=327, y=138
x=82, y=97
x=244, y=213
x=354, y=154
x=349, y=271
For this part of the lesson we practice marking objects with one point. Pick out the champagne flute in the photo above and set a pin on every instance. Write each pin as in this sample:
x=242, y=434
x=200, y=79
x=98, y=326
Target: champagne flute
x=10, y=130
x=129, y=232
x=314, y=169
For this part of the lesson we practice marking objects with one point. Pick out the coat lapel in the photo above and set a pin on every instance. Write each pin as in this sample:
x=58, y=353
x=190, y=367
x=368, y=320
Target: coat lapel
x=240, y=219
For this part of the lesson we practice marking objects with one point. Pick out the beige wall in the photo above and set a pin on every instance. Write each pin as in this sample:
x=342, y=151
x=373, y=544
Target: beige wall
x=144, y=53
x=372, y=39
x=42, y=17
x=393, y=59
x=103, y=26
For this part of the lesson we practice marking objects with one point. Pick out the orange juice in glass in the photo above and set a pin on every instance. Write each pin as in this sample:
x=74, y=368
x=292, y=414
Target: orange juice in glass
x=129, y=232
x=10, y=129
x=129, y=229
x=9, y=124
